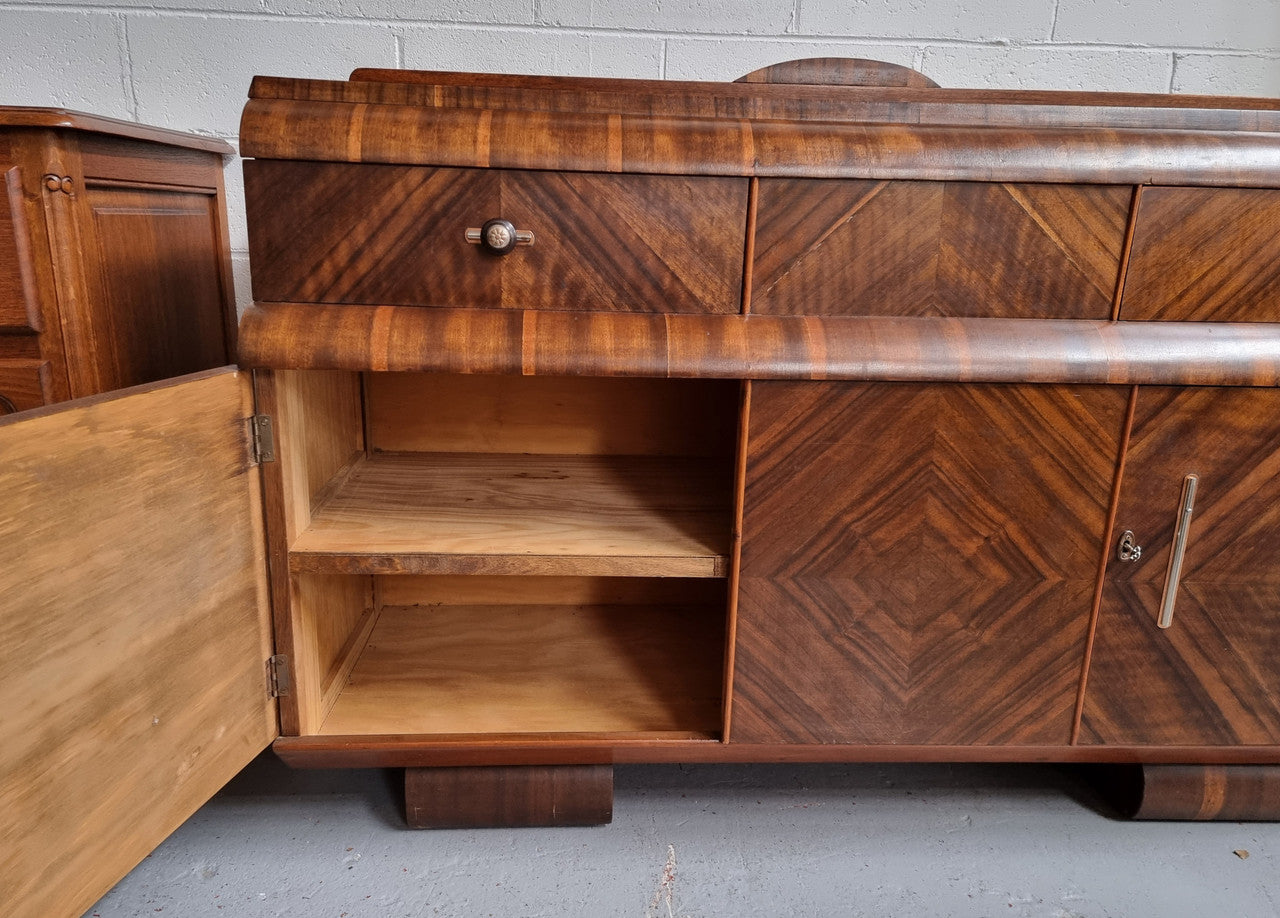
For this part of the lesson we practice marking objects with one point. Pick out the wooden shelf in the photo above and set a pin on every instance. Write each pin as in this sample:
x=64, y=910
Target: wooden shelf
x=480, y=513
x=544, y=669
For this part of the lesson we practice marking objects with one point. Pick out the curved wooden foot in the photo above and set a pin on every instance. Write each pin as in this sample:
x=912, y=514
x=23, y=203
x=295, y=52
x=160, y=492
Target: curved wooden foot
x=476, y=797
x=1231, y=793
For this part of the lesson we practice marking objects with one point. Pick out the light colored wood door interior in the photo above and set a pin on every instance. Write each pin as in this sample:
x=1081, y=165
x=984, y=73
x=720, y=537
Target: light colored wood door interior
x=134, y=630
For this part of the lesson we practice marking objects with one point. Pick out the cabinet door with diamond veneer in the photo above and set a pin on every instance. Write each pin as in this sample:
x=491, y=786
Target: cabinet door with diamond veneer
x=918, y=561
x=835, y=247
x=1210, y=677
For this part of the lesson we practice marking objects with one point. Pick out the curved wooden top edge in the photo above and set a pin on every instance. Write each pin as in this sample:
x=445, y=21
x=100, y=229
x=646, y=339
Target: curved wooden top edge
x=64, y=119
x=838, y=71
x=264, y=86
x=596, y=142
x=425, y=339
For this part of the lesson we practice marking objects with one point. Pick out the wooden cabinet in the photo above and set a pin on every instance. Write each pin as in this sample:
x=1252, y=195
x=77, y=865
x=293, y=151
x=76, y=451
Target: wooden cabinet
x=805, y=430
x=114, y=262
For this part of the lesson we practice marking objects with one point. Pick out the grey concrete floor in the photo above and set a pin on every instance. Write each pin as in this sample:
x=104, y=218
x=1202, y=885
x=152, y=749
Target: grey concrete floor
x=706, y=841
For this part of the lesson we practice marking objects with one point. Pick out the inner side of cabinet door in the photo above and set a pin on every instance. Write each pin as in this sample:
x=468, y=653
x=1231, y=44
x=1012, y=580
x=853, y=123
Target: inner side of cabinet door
x=134, y=630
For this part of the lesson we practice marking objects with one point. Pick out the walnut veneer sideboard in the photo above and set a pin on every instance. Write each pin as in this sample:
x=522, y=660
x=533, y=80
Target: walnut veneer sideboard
x=598, y=421
x=115, y=267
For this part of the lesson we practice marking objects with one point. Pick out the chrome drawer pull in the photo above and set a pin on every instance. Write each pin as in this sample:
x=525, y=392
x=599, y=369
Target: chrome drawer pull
x=1179, y=548
x=498, y=236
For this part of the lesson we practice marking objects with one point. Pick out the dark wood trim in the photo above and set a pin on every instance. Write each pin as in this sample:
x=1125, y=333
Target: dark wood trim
x=749, y=251
x=562, y=749
x=308, y=336
x=482, y=797
x=1228, y=793
x=1125, y=251
x=735, y=554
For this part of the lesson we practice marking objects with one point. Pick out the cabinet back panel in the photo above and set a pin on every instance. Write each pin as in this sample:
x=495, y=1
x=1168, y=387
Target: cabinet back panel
x=551, y=415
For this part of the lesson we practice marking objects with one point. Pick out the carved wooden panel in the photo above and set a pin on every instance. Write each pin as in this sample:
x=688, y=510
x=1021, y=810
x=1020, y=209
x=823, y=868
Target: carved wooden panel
x=1208, y=254
x=937, y=248
x=19, y=308
x=340, y=233
x=160, y=290
x=918, y=561
x=1211, y=677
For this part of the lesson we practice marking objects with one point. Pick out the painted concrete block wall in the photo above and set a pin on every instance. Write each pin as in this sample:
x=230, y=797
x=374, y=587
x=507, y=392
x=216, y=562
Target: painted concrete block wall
x=186, y=64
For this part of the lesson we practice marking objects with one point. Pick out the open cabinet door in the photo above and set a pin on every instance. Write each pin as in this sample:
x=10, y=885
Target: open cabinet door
x=134, y=630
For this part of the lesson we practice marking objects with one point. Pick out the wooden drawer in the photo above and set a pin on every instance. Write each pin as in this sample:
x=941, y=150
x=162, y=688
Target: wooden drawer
x=361, y=233
x=23, y=384
x=861, y=247
x=1205, y=254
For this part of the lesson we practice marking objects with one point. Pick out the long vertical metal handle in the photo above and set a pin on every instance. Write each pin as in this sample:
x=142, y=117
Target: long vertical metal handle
x=1177, y=551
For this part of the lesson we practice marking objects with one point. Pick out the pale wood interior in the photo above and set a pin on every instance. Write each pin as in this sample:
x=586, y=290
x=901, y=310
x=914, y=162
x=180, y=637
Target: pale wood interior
x=331, y=618
x=319, y=431
x=408, y=590
x=134, y=631
x=502, y=513
x=551, y=415
x=509, y=668
x=507, y=554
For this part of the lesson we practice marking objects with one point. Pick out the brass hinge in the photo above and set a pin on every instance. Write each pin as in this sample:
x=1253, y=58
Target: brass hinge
x=279, y=678
x=264, y=438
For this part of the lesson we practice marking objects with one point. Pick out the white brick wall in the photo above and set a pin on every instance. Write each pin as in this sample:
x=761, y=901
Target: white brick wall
x=187, y=63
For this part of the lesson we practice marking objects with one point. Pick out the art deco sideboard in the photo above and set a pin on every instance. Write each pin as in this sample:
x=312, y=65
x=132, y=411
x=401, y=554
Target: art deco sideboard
x=598, y=421
x=114, y=263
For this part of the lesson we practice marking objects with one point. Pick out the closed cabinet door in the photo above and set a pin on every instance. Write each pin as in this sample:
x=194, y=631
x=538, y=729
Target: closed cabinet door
x=918, y=561
x=1189, y=631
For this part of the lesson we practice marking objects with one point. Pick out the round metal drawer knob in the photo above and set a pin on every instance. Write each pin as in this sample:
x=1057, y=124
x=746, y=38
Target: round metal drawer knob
x=498, y=236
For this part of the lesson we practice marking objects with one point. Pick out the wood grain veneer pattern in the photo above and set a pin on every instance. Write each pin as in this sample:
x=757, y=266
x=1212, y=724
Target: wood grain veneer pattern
x=1211, y=677
x=1204, y=254
x=938, y=248
x=918, y=561
x=396, y=234
x=1007, y=108
x=582, y=141
x=760, y=347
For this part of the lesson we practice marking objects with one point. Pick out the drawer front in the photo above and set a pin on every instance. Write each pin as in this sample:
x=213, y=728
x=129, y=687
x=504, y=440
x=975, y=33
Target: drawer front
x=1205, y=254
x=23, y=384
x=858, y=247
x=362, y=233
